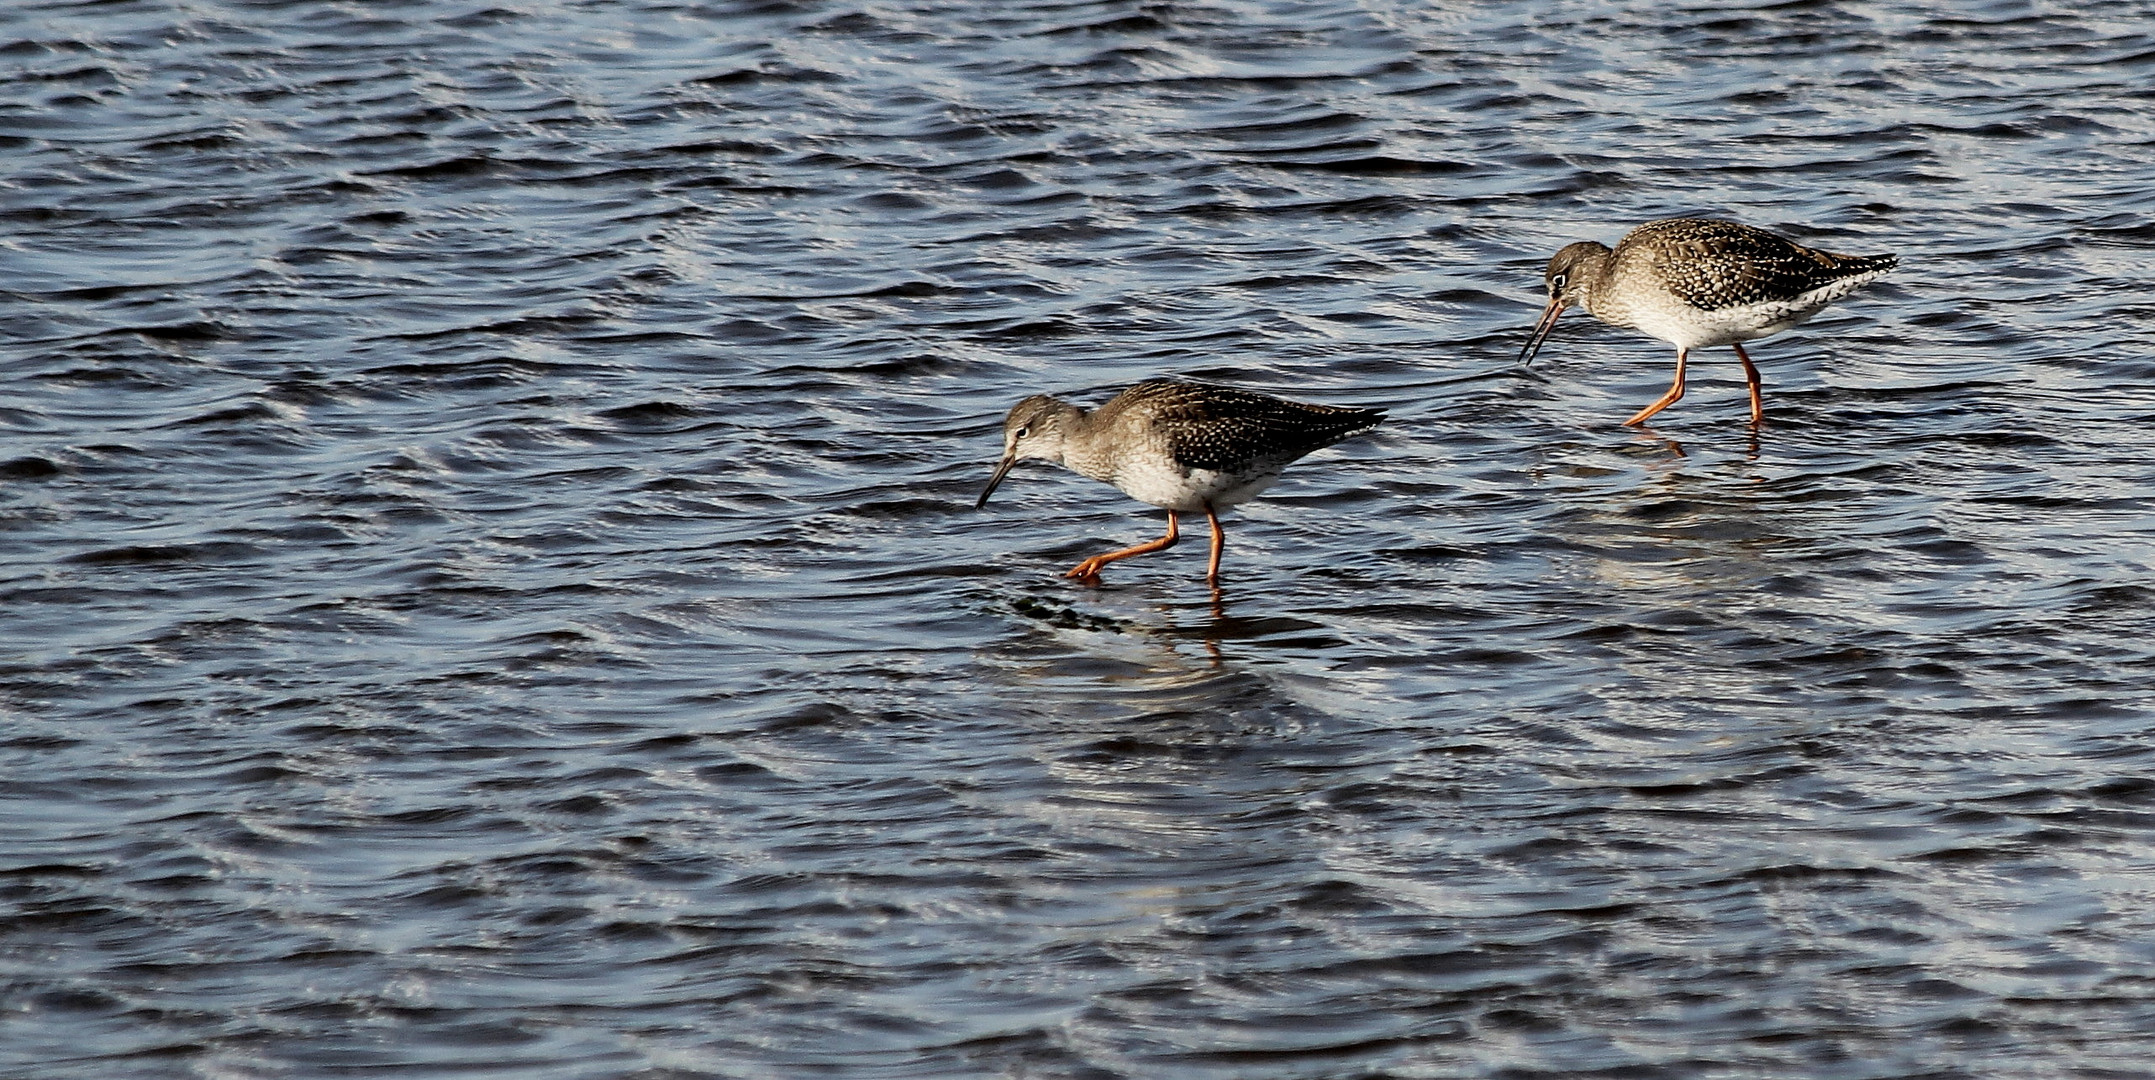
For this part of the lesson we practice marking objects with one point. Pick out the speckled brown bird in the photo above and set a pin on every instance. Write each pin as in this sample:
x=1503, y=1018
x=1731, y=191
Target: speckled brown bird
x=1695, y=283
x=1184, y=446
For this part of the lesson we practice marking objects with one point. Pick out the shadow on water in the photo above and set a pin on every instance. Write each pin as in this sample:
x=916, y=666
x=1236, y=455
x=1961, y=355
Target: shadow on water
x=1140, y=613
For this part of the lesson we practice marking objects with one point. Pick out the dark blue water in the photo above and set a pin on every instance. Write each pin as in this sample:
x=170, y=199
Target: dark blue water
x=489, y=584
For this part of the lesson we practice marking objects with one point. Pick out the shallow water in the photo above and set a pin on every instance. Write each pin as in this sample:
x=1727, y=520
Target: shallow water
x=491, y=585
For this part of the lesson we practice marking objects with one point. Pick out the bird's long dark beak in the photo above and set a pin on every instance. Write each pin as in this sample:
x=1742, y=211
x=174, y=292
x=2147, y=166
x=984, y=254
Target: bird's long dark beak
x=1541, y=331
x=1002, y=469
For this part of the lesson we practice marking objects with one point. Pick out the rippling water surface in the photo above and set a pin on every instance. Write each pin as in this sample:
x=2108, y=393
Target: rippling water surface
x=489, y=583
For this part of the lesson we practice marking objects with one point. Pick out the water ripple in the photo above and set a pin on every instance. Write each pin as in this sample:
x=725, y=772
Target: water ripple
x=492, y=582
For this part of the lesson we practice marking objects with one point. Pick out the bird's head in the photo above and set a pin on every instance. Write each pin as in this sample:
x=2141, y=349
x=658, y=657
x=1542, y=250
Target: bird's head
x=1570, y=272
x=1034, y=429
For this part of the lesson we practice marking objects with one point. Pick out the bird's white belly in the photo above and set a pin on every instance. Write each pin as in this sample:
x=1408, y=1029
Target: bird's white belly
x=1692, y=328
x=1688, y=327
x=1169, y=486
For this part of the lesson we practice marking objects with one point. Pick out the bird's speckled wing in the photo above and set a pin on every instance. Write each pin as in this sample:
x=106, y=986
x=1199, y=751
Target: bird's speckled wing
x=1720, y=264
x=1216, y=427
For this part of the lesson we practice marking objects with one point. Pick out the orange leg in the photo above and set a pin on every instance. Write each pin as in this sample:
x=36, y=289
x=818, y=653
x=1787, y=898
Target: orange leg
x=1089, y=570
x=1676, y=392
x=1219, y=542
x=1750, y=378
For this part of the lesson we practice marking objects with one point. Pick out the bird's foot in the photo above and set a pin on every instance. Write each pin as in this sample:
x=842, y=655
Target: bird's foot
x=1087, y=572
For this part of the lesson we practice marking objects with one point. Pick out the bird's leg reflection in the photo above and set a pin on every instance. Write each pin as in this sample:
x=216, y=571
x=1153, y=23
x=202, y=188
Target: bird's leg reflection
x=1649, y=435
x=1185, y=620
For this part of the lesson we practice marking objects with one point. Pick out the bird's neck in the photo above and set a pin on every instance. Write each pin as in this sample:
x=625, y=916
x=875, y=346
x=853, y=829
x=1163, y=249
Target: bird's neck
x=1592, y=271
x=1089, y=446
x=1071, y=426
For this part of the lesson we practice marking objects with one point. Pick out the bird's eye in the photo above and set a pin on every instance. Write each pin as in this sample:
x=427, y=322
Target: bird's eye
x=1556, y=281
x=1022, y=432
